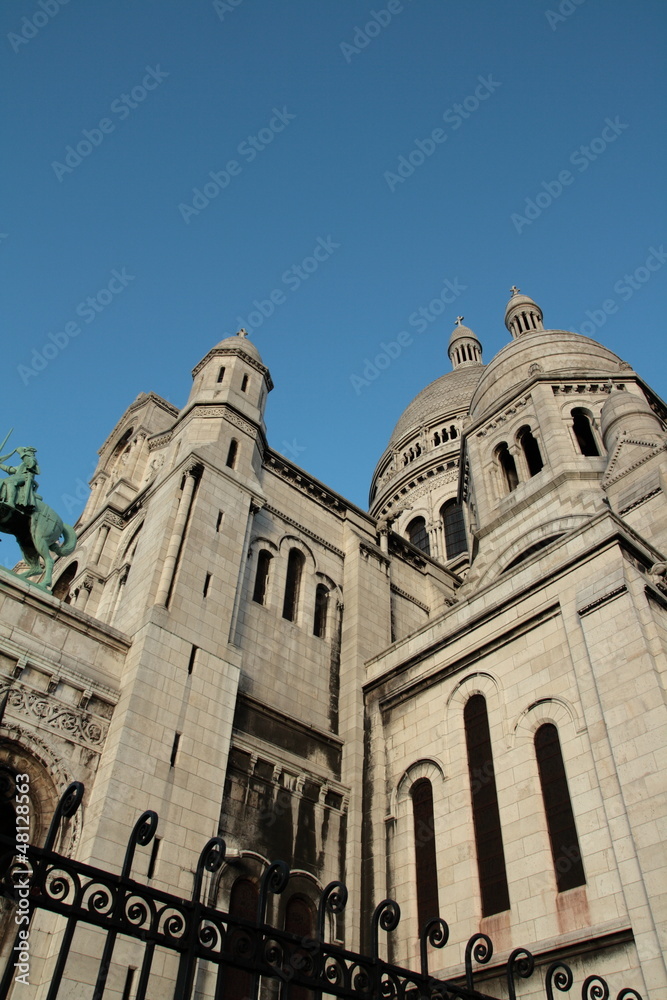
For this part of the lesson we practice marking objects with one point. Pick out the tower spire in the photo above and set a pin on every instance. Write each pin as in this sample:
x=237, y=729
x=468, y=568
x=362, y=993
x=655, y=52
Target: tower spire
x=464, y=346
x=522, y=314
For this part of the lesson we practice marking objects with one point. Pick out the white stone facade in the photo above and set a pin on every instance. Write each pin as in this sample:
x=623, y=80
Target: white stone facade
x=236, y=646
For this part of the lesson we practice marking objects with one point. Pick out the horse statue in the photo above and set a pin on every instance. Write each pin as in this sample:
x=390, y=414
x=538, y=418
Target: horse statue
x=34, y=524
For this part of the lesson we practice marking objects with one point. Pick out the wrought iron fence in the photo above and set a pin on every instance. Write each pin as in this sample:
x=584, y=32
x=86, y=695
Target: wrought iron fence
x=198, y=933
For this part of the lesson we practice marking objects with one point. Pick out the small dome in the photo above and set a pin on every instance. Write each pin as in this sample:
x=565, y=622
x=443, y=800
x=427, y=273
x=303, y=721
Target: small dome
x=627, y=412
x=465, y=347
x=461, y=332
x=241, y=343
x=522, y=315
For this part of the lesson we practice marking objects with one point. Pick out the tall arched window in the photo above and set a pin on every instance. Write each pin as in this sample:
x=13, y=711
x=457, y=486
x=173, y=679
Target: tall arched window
x=531, y=450
x=295, y=564
x=425, y=863
x=262, y=577
x=581, y=425
x=418, y=534
x=508, y=466
x=232, y=454
x=243, y=905
x=321, y=609
x=558, y=808
x=62, y=585
x=299, y=920
x=455, y=528
x=485, y=813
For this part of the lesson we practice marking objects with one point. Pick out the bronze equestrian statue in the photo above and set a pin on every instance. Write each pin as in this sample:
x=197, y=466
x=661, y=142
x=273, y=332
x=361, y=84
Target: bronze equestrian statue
x=35, y=525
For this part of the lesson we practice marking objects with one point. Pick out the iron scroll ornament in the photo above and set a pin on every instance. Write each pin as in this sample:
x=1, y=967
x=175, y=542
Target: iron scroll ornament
x=436, y=934
x=201, y=936
x=559, y=975
x=520, y=963
x=479, y=947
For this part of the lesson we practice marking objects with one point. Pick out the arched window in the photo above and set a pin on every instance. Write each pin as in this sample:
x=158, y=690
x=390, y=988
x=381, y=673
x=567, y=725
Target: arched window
x=262, y=577
x=221, y=374
x=531, y=450
x=299, y=920
x=295, y=565
x=62, y=585
x=418, y=534
x=242, y=905
x=244, y=384
x=455, y=528
x=425, y=863
x=321, y=609
x=232, y=453
x=581, y=425
x=485, y=812
x=558, y=808
x=508, y=466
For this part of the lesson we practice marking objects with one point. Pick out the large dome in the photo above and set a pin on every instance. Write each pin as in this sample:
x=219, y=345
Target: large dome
x=425, y=442
x=447, y=394
x=543, y=351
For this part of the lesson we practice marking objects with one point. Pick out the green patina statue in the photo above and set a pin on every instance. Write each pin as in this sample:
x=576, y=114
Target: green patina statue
x=24, y=514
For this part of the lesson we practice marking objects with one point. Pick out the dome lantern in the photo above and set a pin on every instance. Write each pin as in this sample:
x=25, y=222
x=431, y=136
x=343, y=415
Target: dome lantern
x=464, y=346
x=522, y=314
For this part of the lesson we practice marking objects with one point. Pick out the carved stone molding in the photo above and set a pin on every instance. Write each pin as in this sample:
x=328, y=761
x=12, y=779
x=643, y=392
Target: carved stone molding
x=410, y=598
x=501, y=418
x=579, y=387
x=232, y=418
x=230, y=351
x=45, y=711
x=304, y=483
x=113, y=519
x=160, y=440
x=306, y=531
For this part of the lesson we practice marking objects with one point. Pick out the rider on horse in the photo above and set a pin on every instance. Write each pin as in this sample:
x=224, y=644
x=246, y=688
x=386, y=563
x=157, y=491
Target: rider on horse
x=35, y=525
x=19, y=489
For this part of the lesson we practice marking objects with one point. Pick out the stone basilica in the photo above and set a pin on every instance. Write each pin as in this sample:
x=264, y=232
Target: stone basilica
x=456, y=699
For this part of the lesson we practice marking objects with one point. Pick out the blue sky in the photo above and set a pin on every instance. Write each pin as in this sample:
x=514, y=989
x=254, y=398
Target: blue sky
x=531, y=141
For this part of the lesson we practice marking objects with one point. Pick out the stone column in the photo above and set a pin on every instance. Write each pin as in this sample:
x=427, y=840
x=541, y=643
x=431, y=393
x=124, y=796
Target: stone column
x=176, y=536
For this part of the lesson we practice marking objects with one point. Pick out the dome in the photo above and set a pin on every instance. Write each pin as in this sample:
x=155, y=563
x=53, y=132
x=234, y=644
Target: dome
x=561, y=352
x=629, y=412
x=240, y=342
x=461, y=332
x=448, y=394
x=522, y=315
x=464, y=346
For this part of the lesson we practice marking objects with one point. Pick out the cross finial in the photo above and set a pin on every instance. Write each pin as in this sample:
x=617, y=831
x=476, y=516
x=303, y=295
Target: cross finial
x=514, y=290
x=242, y=332
x=459, y=320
